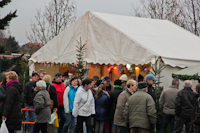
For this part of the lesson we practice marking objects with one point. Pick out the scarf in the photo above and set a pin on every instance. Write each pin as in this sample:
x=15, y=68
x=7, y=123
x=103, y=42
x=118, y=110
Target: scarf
x=73, y=87
x=116, y=86
x=48, y=82
x=11, y=83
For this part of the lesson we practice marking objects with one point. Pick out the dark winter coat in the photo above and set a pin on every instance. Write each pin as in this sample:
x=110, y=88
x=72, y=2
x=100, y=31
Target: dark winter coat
x=101, y=107
x=12, y=107
x=29, y=93
x=151, y=91
x=196, y=115
x=2, y=96
x=184, y=103
x=113, y=101
x=53, y=95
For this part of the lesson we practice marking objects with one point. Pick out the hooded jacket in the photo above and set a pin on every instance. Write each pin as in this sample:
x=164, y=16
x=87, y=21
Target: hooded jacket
x=12, y=107
x=41, y=104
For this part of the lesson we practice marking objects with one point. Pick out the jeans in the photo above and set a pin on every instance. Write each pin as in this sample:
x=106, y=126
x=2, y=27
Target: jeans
x=99, y=126
x=123, y=129
x=179, y=122
x=166, y=118
x=30, y=117
x=62, y=115
x=79, y=126
x=84, y=128
x=70, y=119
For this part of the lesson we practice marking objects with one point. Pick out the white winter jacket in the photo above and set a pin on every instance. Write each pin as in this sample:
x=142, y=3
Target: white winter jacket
x=83, y=103
x=66, y=100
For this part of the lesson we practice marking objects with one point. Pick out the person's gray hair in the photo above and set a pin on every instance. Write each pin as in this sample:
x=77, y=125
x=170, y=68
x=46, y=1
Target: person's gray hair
x=187, y=83
x=41, y=84
x=175, y=81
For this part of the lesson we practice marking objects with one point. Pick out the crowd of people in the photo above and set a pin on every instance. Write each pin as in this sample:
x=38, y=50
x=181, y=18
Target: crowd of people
x=94, y=105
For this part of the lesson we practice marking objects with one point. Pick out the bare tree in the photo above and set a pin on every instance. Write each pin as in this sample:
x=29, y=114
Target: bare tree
x=184, y=13
x=192, y=15
x=57, y=15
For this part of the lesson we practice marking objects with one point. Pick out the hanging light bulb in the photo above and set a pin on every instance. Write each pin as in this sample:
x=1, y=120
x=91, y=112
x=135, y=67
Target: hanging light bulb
x=136, y=68
x=128, y=66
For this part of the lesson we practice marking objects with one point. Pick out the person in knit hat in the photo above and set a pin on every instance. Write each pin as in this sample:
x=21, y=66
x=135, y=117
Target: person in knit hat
x=113, y=102
x=41, y=104
x=60, y=89
x=124, y=79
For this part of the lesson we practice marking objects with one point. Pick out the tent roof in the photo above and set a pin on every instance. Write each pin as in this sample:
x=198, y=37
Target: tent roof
x=190, y=71
x=117, y=39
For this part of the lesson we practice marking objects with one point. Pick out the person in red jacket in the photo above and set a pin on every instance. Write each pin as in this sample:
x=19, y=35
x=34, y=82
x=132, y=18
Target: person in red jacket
x=60, y=88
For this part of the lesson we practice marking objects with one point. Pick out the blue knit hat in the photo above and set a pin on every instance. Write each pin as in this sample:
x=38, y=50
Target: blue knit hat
x=58, y=74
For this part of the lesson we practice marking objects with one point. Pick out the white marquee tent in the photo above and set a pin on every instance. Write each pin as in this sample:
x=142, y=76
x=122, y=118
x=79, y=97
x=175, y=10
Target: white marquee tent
x=117, y=39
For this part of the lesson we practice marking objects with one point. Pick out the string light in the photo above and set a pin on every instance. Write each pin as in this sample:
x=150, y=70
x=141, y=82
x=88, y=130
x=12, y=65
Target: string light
x=128, y=66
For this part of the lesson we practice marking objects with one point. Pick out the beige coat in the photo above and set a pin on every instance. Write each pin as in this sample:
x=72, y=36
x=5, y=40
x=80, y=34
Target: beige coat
x=119, y=119
x=140, y=110
x=167, y=99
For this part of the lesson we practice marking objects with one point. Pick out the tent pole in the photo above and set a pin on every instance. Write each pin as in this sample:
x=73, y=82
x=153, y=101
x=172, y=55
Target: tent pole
x=158, y=69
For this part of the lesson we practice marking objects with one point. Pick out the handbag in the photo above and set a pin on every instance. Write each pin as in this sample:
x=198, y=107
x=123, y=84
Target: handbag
x=52, y=103
x=53, y=117
x=56, y=122
x=4, y=128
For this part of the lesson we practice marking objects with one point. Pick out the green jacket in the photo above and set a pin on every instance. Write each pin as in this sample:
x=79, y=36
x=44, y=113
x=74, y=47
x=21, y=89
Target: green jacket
x=140, y=110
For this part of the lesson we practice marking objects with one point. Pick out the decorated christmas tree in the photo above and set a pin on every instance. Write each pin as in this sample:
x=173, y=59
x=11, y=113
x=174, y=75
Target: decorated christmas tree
x=79, y=67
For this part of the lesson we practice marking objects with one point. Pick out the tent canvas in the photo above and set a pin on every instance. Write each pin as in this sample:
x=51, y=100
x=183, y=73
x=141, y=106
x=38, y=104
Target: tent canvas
x=117, y=39
x=190, y=71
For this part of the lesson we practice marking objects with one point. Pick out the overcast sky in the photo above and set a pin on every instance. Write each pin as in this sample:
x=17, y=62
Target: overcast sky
x=26, y=9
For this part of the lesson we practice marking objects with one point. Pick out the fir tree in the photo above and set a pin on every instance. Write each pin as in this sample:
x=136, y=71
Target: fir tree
x=5, y=21
x=79, y=67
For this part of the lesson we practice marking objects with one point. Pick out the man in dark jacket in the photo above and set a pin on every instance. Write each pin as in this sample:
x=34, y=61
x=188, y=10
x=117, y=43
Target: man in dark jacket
x=2, y=94
x=183, y=107
x=29, y=95
x=150, y=79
